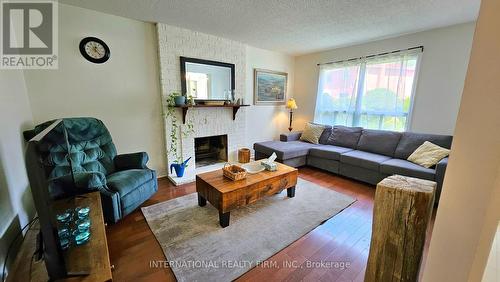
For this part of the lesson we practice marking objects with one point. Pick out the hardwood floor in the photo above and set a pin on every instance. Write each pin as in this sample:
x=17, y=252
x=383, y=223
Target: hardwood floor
x=344, y=239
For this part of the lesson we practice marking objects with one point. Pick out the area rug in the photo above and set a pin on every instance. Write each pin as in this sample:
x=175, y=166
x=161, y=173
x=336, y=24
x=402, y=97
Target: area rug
x=198, y=249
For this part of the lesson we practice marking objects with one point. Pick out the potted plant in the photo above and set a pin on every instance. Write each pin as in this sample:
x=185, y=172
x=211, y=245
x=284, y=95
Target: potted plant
x=179, y=100
x=175, y=133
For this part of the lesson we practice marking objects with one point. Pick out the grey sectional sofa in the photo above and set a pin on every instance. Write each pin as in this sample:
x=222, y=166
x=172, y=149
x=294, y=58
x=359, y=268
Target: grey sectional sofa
x=362, y=154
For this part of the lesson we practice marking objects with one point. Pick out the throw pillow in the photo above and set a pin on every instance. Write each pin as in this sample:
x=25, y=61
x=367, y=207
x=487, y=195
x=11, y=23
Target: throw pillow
x=345, y=136
x=312, y=132
x=428, y=154
x=323, y=139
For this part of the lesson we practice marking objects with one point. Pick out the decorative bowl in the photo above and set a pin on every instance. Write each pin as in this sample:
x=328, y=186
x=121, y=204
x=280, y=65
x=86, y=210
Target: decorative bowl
x=253, y=167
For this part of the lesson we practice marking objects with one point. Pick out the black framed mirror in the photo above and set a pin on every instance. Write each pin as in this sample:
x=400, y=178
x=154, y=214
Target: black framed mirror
x=207, y=80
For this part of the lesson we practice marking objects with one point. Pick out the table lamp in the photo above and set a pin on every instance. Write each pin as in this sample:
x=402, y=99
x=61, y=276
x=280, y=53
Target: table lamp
x=290, y=104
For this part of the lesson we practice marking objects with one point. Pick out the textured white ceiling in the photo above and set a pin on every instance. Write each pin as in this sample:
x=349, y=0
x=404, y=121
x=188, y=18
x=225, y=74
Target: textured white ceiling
x=295, y=26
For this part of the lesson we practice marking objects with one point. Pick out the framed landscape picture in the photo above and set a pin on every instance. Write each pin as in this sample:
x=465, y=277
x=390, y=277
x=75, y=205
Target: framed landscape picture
x=269, y=87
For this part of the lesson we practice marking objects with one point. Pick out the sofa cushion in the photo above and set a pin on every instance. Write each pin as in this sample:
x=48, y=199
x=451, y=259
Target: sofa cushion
x=379, y=141
x=428, y=154
x=363, y=159
x=312, y=132
x=284, y=150
x=328, y=152
x=323, y=139
x=126, y=181
x=138, y=196
x=345, y=136
x=406, y=168
x=324, y=136
x=411, y=141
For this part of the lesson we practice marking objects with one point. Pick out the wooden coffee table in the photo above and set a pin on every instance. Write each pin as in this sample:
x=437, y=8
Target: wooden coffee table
x=227, y=195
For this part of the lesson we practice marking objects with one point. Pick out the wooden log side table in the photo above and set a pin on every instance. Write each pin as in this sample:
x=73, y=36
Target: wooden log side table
x=401, y=215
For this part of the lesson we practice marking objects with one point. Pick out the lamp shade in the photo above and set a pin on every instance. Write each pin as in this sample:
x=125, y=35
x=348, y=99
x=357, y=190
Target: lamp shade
x=290, y=104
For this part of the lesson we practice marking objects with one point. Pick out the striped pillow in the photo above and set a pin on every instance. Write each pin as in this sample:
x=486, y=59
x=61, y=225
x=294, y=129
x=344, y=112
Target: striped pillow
x=312, y=132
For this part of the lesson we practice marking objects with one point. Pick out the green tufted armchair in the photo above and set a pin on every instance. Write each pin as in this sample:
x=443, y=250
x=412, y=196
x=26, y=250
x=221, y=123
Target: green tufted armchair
x=92, y=164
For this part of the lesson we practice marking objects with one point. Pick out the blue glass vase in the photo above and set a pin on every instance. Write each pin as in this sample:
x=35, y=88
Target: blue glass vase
x=82, y=212
x=81, y=238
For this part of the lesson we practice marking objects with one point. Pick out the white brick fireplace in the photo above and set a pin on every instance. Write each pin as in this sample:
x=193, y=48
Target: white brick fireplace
x=211, y=122
x=174, y=42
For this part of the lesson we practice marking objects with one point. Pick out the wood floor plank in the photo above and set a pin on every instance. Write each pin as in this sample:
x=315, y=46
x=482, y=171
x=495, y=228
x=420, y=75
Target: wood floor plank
x=345, y=237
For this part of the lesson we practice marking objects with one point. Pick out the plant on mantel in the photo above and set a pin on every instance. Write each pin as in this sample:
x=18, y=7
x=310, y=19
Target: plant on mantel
x=176, y=131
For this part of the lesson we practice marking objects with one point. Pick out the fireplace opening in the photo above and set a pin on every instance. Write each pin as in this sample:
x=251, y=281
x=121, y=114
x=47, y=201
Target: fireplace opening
x=210, y=150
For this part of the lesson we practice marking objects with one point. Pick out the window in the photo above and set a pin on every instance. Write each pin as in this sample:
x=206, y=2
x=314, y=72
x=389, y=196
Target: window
x=374, y=93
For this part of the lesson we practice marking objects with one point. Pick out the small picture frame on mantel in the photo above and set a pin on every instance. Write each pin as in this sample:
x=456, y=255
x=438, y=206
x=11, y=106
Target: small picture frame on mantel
x=270, y=87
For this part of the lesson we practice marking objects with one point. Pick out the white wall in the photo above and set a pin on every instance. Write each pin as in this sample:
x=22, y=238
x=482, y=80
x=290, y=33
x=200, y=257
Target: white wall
x=469, y=209
x=123, y=92
x=16, y=204
x=492, y=270
x=265, y=123
x=440, y=81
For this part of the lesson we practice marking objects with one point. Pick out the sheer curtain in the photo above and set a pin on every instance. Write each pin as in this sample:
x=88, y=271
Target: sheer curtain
x=336, y=98
x=375, y=92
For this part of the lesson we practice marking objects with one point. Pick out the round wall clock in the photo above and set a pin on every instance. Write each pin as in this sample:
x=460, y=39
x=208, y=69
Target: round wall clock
x=94, y=50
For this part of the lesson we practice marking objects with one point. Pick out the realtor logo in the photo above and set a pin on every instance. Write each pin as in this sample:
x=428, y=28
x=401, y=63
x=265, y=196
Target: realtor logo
x=29, y=35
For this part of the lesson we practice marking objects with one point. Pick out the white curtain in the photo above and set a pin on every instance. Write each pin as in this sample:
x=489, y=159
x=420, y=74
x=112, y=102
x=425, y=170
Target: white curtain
x=375, y=93
x=336, y=98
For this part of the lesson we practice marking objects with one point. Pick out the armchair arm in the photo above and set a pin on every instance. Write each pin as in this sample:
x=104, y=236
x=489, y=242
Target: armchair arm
x=440, y=171
x=131, y=161
x=292, y=136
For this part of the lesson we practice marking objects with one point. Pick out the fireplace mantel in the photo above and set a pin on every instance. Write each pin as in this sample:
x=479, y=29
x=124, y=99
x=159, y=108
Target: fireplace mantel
x=186, y=107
